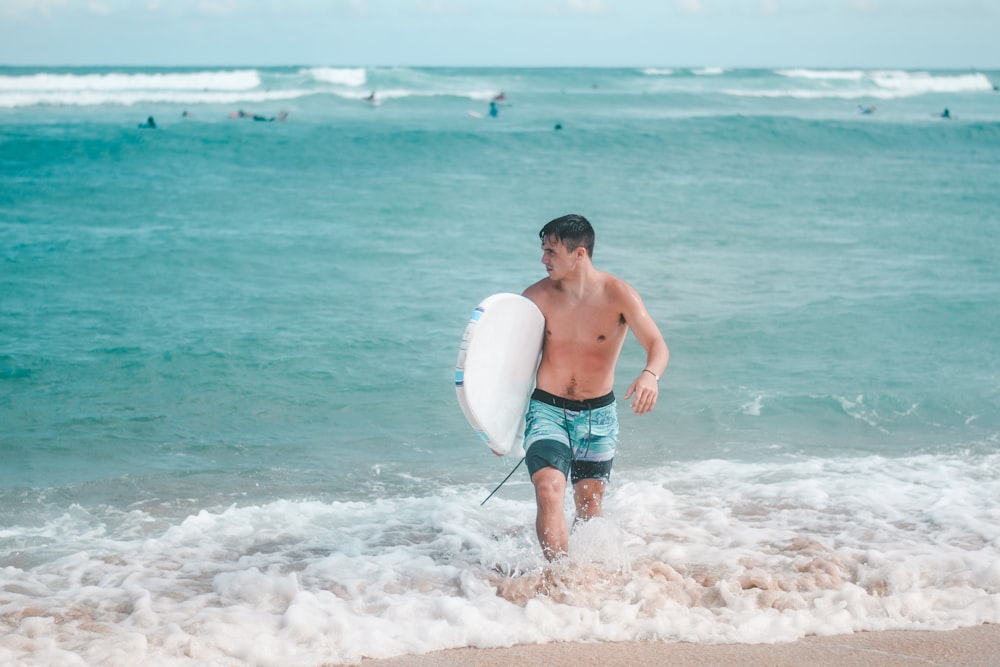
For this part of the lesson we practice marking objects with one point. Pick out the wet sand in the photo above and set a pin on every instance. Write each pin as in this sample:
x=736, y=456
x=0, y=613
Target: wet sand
x=977, y=646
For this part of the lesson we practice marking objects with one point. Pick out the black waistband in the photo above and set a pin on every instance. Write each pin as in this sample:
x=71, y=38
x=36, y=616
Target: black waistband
x=570, y=404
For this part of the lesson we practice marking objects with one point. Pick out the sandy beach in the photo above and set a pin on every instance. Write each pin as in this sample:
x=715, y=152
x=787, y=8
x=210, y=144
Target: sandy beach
x=978, y=646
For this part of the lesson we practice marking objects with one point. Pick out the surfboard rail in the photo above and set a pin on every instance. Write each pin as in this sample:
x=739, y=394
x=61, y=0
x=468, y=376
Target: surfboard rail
x=495, y=371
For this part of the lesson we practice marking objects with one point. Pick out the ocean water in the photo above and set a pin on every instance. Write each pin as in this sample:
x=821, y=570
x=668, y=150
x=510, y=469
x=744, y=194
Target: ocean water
x=228, y=427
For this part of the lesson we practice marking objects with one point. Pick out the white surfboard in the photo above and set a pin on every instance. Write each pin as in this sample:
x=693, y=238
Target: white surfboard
x=496, y=368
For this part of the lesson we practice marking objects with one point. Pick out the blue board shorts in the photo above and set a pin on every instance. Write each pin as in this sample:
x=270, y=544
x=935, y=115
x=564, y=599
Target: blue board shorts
x=576, y=437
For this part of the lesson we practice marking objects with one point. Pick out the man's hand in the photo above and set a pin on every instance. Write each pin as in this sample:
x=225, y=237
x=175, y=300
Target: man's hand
x=644, y=390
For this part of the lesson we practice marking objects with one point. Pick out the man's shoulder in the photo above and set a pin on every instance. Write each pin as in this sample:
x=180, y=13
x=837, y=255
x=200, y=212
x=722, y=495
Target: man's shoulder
x=543, y=286
x=615, y=286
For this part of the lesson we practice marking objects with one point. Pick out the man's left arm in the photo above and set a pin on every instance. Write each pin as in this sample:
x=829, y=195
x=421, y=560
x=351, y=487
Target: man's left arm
x=645, y=389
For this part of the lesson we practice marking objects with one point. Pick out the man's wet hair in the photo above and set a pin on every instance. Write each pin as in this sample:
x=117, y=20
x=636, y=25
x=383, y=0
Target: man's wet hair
x=572, y=230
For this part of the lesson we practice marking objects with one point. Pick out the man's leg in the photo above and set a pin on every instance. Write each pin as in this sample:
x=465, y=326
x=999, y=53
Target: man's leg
x=550, y=521
x=588, y=494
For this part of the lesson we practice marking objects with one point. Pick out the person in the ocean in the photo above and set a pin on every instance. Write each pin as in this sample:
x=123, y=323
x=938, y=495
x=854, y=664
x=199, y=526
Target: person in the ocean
x=494, y=109
x=946, y=114
x=571, y=430
x=150, y=124
x=280, y=117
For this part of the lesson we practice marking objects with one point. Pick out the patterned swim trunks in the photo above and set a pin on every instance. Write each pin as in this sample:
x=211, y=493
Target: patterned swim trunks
x=576, y=437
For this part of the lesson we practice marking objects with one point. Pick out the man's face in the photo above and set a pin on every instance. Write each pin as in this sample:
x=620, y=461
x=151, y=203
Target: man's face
x=557, y=259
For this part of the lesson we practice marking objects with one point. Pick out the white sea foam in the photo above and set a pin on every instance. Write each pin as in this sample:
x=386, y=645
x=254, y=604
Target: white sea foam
x=134, y=97
x=835, y=75
x=126, y=89
x=921, y=82
x=342, y=76
x=251, y=85
x=711, y=551
x=803, y=94
x=120, y=81
x=752, y=408
x=383, y=94
x=878, y=84
x=130, y=98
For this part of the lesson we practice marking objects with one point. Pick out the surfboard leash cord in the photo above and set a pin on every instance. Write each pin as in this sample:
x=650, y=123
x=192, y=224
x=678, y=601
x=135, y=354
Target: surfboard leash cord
x=504, y=481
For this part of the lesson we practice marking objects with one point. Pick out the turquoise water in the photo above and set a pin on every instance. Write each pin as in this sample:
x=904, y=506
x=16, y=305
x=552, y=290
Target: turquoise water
x=223, y=322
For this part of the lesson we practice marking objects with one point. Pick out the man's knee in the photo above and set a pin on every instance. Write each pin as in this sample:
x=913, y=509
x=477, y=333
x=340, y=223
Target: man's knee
x=588, y=494
x=550, y=485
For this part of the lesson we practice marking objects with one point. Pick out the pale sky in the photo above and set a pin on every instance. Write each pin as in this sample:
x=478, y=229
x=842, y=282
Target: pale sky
x=957, y=34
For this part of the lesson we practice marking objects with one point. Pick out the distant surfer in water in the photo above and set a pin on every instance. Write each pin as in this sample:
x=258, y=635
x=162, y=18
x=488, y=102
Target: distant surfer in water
x=495, y=104
x=572, y=421
x=280, y=117
x=150, y=124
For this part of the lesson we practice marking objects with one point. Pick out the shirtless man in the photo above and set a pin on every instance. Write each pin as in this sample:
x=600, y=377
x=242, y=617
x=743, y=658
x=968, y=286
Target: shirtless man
x=572, y=424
